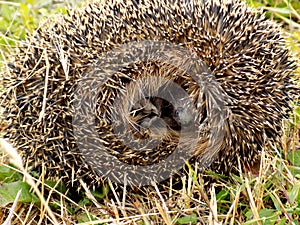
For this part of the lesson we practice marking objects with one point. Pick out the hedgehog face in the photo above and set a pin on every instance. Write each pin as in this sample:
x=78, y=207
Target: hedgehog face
x=155, y=114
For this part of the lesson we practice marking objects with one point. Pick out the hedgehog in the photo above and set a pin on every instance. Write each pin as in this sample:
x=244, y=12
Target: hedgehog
x=132, y=90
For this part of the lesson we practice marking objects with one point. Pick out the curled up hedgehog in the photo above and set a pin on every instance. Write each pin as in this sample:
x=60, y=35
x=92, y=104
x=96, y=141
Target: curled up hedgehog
x=134, y=89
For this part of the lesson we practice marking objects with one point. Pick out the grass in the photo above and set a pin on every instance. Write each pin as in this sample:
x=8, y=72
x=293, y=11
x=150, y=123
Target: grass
x=272, y=197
